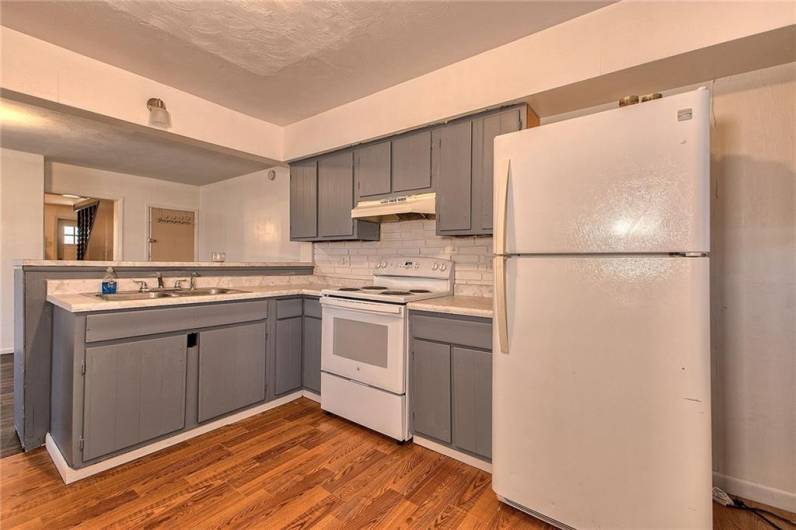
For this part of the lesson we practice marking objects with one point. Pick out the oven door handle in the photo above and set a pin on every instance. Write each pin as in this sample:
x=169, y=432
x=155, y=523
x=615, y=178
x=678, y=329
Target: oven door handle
x=365, y=307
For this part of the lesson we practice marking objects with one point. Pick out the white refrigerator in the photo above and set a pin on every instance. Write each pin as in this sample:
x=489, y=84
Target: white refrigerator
x=601, y=375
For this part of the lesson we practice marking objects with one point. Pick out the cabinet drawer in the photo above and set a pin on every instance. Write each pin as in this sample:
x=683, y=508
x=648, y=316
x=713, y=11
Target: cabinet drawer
x=124, y=324
x=474, y=332
x=312, y=308
x=288, y=308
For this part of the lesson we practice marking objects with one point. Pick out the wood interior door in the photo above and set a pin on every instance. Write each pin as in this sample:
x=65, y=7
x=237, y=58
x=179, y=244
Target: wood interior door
x=171, y=235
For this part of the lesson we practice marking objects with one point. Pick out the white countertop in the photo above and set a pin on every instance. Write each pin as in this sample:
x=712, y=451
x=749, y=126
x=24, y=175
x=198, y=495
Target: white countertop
x=84, y=302
x=187, y=264
x=476, y=306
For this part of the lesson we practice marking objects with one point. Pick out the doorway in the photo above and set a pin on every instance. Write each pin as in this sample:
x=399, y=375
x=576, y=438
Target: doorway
x=171, y=234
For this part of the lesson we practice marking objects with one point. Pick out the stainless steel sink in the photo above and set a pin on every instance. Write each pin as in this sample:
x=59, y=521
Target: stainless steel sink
x=207, y=291
x=133, y=295
x=168, y=293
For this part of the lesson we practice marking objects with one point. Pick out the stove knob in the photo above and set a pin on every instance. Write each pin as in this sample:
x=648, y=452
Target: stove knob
x=417, y=265
x=435, y=266
x=383, y=264
x=443, y=267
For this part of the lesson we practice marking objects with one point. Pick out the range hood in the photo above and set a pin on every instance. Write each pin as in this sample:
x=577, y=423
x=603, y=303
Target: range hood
x=418, y=206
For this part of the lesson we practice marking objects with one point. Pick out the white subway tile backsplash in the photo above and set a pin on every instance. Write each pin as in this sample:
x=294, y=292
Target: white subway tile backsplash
x=472, y=255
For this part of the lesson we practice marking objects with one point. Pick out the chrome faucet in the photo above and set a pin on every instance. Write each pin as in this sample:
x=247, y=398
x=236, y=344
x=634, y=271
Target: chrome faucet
x=194, y=275
x=159, y=276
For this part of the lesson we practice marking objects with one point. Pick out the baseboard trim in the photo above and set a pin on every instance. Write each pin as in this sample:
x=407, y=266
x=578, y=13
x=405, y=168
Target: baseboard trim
x=70, y=475
x=784, y=500
x=309, y=394
x=453, y=453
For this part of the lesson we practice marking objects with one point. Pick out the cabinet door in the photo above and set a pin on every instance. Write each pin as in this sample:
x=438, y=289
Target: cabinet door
x=411, y=162
x=372, y=169
x=311, y=352
x=484, y=131
x=134, y=392
x=454, y=175
x=231, y=368
x=431, y=389
x=335, y=195
x=472, y=400
x=288, y=355
x=303, y=200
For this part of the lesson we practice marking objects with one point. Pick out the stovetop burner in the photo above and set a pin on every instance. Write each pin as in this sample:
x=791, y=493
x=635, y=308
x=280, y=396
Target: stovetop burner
x=395, y=293
x=419, y=291
x=349, y=289
x=373, y=288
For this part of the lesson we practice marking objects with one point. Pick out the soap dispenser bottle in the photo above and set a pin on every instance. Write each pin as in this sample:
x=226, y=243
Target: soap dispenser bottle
x=109, y=281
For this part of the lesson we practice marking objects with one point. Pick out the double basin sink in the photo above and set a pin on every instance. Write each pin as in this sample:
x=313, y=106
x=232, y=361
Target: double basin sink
x=167, y=293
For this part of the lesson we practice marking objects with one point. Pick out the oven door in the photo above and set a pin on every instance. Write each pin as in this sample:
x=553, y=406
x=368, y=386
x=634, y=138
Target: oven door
x=365, y=341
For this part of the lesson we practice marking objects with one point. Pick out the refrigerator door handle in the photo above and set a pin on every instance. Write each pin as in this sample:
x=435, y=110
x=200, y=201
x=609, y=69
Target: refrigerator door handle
x=500, y=303
x=502, y=173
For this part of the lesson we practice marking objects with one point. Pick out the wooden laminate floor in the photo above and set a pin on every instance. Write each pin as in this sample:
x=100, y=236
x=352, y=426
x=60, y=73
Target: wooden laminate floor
x=293, y=466
x=9, y=442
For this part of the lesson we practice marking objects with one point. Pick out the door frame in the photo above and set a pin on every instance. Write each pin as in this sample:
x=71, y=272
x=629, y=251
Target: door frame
x=147, y=228
x=118, y=217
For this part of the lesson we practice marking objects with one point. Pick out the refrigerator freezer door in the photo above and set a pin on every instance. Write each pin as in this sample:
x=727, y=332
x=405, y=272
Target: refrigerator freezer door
x=601, y=407
x=628, y=180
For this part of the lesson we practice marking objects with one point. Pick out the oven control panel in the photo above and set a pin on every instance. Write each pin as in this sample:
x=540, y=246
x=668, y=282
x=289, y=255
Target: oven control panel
x=415, y=266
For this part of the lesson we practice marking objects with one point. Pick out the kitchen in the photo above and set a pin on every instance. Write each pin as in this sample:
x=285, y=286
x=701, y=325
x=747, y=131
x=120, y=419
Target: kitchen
x=337, y=350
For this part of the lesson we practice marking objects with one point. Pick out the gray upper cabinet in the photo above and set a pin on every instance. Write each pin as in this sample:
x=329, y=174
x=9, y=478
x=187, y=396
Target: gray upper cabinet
x=335, y=195
x=484, y=131
x=321, y=199
x=288, y=355
x=463, y=166
x=134, y=392
x=431, y=389
x=411, y=162
x=231, y=368
x=303, y=200
x=454, y=171
x=372, y=169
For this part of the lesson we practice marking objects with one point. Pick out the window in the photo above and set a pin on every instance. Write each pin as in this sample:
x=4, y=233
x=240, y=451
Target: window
x=70, y=235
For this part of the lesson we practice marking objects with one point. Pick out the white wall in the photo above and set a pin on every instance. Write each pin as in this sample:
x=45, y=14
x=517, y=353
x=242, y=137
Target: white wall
x=753, y=284
x=21, y=227
x=606, y=41
x=46, y=71
x=136, y=194
x=248, y=217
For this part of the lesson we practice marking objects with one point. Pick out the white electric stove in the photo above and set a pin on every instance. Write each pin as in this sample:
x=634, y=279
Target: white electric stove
x=364, y=347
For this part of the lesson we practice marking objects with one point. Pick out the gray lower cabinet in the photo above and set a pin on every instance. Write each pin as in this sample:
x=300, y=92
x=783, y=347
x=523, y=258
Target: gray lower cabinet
x=122, y=379
x=471, y=376
x=431, y=389
x=451, y=398
x=231, y=368
x=311, y=365
x=288, y=355
x=134, y=392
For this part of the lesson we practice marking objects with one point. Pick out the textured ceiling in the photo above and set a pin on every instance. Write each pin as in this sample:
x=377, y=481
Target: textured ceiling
x=61, y=135
x=283, y=61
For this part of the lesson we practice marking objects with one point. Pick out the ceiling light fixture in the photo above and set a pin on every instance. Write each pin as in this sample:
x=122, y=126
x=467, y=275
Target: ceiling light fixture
x=158, y=115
